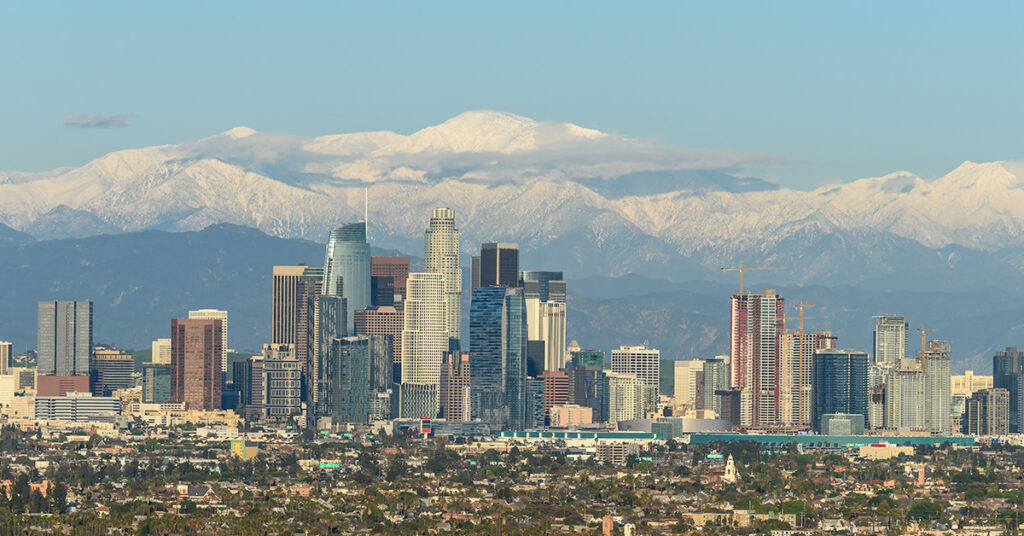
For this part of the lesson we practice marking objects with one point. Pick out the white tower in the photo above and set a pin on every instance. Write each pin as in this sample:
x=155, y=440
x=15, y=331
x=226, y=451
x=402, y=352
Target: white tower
x=441, y=255
x=730, y=471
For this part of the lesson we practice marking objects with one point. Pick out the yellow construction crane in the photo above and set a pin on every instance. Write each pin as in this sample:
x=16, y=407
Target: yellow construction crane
x=742, y=269
x=924, y=334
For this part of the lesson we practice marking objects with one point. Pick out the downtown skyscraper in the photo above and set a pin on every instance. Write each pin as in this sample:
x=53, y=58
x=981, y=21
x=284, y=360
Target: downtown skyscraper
x=840, y=384
x=756, y=323
x=497, y=357
x=196, y=362
x=441, y=256
x=425, y=339
x=347, y=268
x=64, y=338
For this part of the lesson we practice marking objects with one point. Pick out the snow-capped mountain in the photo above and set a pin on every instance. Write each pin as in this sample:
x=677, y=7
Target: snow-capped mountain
x=571, y=196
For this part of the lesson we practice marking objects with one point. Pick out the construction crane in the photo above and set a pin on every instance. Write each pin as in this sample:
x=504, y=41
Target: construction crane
x=924, y=334
x=803, y=366
x=742, y=269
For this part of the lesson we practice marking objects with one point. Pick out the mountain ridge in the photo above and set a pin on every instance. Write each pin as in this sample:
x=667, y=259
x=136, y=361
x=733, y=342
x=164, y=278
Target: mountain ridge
x=564, y=191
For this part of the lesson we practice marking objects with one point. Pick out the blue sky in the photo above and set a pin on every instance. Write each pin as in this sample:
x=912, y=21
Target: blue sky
x=841, y=91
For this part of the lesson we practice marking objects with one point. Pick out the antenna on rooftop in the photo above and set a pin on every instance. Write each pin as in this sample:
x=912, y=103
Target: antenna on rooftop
x=366, y=210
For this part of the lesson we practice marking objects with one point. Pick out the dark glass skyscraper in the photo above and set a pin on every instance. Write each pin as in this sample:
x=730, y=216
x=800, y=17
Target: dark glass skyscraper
x=499, y=265
x=485, y=356
x=347, y=267
x=840, y=383
x=514, y=337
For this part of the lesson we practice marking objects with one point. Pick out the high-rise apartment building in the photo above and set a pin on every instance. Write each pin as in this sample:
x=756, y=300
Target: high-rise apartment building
x=626, y=397
x=161, y=351
x=347, y=268
x=64, y=338
x=1008, y=373
x=499, y=265
x=936, y=397
x=840, y=383
x=110, y=369
x=755, y=358
x=387, y=277
x=543, y=285
x=425, y=339
x=196, y=350
x=890, y=340
x=441, y=256
x=216, y=314
x=645, y=364
x=797, y=359
x=456, y=389
x=988, y=413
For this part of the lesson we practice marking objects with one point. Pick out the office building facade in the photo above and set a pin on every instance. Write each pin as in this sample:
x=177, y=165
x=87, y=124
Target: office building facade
x=840, y=384
x=456, y=387
x=110, y=369
x=64, y=337
x=499, y=265
x=196, y=350
x=988, y=413
x=216, y=314
x=347, y=268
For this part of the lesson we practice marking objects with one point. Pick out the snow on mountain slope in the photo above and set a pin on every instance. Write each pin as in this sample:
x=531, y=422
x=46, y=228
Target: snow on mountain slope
x=512, y=178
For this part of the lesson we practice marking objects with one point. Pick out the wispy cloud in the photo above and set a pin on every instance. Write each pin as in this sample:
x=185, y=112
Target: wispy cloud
x=97, y=120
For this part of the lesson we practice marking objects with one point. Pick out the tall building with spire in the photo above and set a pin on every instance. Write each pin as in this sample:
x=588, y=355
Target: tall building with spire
x=756, y=324
x=347, y=268
x=441, y=255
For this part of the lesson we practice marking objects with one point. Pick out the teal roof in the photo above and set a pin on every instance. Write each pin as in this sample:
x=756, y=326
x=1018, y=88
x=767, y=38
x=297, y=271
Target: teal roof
x=830, y=440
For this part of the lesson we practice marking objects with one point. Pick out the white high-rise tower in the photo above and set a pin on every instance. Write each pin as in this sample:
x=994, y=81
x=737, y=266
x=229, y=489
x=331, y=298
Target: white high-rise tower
x=424, y=342
x=441, y=255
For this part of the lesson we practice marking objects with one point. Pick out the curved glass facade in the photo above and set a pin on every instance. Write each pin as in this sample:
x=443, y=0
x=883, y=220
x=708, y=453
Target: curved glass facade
x=347, y=268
